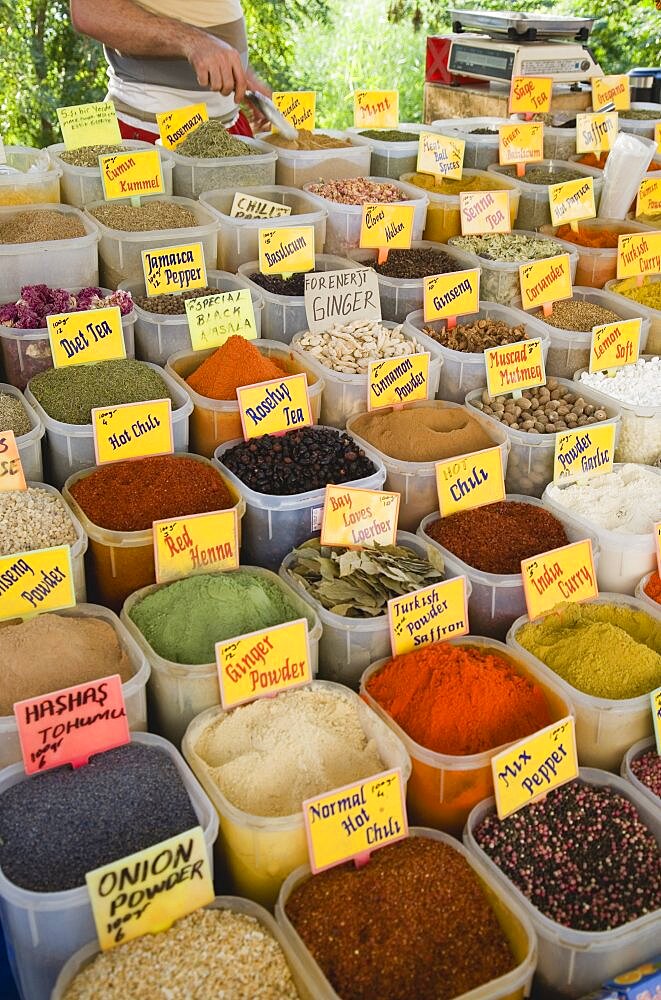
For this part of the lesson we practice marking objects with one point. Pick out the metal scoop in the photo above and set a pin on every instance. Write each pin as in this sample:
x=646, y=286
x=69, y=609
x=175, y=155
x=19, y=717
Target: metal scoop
x=269, y=110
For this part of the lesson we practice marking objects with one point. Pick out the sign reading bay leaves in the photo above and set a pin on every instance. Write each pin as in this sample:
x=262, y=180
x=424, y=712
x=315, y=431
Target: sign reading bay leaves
x=484, y=212
x=470, y=481
x=596, y=133
x=89, y=125
x=572, y=201
x=286, y=249
x=521, y=142
x=40, y=580
x=545, y=281
x=386, y=226
x=440, y=155
x=274, y=406
x=514, y=367
x=376, y=109
x=129, y=175
x=583, y=452
x=80, y=338
x=564, y=574
x=453, y=294
x=297, y=106
x=175, y=126
x=263, y=663
x=196, y=543
x=615, y=345
x=610, y=90
x=212, y=319
x=357, y=518
x=398, y=380
x=428, y=615
x=247, y=206
x=638, y=254
x=648, y=201
x=341, y=296
x=12, y=476
x=531, y=768
x=530, y=95
x=132, y=430
x=169, y=270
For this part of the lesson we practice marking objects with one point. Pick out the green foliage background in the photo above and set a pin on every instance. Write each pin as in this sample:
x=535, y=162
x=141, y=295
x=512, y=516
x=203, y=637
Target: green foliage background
x=331, y=46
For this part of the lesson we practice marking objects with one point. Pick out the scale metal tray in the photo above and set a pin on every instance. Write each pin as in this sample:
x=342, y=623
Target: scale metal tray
x=521, y=26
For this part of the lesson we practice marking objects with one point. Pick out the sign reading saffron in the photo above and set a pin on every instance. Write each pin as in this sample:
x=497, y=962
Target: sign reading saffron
x=274, y=406
x=431, y=614
x=545, y=281
x=170, y=270
x=286, y=250
x=514, y=367
x=531, y=768
x=564, y=574
x=398, y=380
x=197, y=543
x=40, y=580
x=357, y=518
x=175, y=126
x=470, y=481
x=261, y=664
x=596, y=133
x=129, y=175
x=453, y=294
x=615, y=345
x=638, y=254
x=389, y=226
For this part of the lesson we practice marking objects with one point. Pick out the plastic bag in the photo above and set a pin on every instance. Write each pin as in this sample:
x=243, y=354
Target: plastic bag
x=625, y=168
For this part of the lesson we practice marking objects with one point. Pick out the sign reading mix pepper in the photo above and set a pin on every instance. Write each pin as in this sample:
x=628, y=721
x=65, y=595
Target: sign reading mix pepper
x=531, y=768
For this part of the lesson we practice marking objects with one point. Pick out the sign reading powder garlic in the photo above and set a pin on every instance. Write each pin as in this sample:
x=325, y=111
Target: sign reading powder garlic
x=584, y=452
x=12, y=476
x=286, y=250
x=431, y=614
x=213, y=319
x=169, y=270
x=376, y=109
x=246, y=206
x=564, y=574
x=297, y=106
x=129, y=175
x=531, y=768
x=81, y=338
x=89, y=125
x=275, y=406
x=545, y=281
x=638, y=254
x=132, y=430
x=440, y=155
x=341, y=296
x=40, y=580
x=470, y=481
x=260, y=664
x=357, y=518
x=175, y=126
x=197, y=543
x=596, y=133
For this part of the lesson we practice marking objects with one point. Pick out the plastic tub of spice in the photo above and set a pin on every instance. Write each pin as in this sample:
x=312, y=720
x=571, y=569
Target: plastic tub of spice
x=464, y=369
x=393, y=152
x=161, y=324
x=641, y=765
x=596, y=245
x=640, y=118
x=81, y=182
x=443, y=215
x=647, y=300
x=443, y=430
x=49, y=652
x=120, y=560
x=37, y=180
x=238, y=236
x=301, y=165
x=473, y=698
x=46, y=243
x=203, y=610
x=126, y=230
x=590, y=838
x=276, y=522
x=647, y=590
x=588, y=644
x=196, y=173
x=534, y=208
x=479, y=134
x=532, y=432
x=239, y=362
x=299, y=744
x=149, y=793
x=17, y=415
x=442, y=903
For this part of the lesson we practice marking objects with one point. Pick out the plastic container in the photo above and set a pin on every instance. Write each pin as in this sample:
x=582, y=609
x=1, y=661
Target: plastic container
x=275, y=524
x=496, y=599
x=177, y=692
x=480, y=150
x=343, y=223
x=596, y=265
x=81, y=186
x=29, y=444
x=238, y=239
x=300, y=973
x=461, y=371
x=514, y=922
x=416, y=481
x=120, y=250
x=443, y=788
x=605, y=727
x=43, y=929
x=70, y=447
x=390, y=159
x=637, y=750
x=534, y=210
x=215, y=421
x=650, y=604
x=571, y=963
x=58, y=263
x=638, y=126
x=297, y=167
x=158, y=335
x=348, y=645
x=134, y=690
x=259, y=852
x=443, y=216
x=27, y=352
x=531, y=456
x=624, y=557
x=38, y=182
x=284, y=315
x=195, y=174
x=119, y=562
x=653, y=315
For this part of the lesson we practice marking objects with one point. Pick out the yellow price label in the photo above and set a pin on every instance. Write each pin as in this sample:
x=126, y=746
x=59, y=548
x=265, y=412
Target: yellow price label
x=146, y=892
x=175, y=126
x=657, y=538
x=89, y=125
x=197, y=543
x=353, y=821
x=431, y=614
x=32, y=582
x=274, y=406
x=583, y=452
x=83, y=337
x=213, y=319
x=638, y=254
x=297, y=106
x=558, y=576
x=130, y=175
x=386, y=226
x=357, y=518
x=530, y=95
x=531, y=768
x=453, y=294
x=470, y=481
x=514, y=367
x=572, y=201
x=657, y=136
x=12, y=476
x=440, y=155
x=484, y=212
x=398, y=380
x=596, y=133
x=262, y=663
x=655, y=698
x=611, y=90
x=248, y=206
x=615, y=345
x=522, y=142
x=286, y=250
x=170, y=270
x=376, y=109
x=545, y=281
x=648, y=200
x=132, y=430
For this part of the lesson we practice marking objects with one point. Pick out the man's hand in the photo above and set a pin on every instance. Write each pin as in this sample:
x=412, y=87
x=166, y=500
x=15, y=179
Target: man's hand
x=216, y=64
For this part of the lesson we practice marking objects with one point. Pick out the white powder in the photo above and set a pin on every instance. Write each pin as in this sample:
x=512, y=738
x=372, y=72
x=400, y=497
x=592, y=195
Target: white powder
x=627, y=500
x=639, y=384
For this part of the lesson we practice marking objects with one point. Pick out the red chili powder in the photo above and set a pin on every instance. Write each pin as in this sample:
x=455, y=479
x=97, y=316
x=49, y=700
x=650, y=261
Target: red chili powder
x=653, y=588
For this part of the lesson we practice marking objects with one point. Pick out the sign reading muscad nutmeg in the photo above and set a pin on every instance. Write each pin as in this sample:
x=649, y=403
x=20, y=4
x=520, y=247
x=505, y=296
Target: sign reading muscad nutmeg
x=341, y=297
x=129, y=175
x=596, y=133
x=175, y=126
x=564, y=574
x=274, y=406
x=286, y=250
x=514, y=367
x=356, y=518
x=169, y=270
x=638, y=254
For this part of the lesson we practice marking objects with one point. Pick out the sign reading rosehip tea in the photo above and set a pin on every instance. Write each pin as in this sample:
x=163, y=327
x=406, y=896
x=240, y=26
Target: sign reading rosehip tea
x=387, y=227
x=196, y=543
x=12, y=476
x=129, y=175
x=297, y=106
x=80, y=338
x=286, y=250
x=146, y=892
x=357, y=518
x=213, y=319
x=440, y=155
x=530, y=95
x=655, y=698
x=247, y=206
x=610, y=90
x=353, y=821
x=484, y=212
x=274, y=406
x=531, y=768
x=572, y=201
x=564, y=574
x=545, y=281
x=170, y=270
x=615, y=345
x=470, y=481
x=89, y=125
x=431, y=614
x=70, y=725
x=262, y=663
x=175, y=126
x=132, y=430
x=596, y=133
x=521, y=142
x=638, y=254
x=648, y=200
x=31, y=582
x=376, y=109
x=397, y=380
x=514, y=367
x=451, y=295
x=583, y=452
x=341, y=297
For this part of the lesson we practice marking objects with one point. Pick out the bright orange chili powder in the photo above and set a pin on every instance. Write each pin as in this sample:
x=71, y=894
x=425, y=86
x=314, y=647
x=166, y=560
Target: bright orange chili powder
x=653, y=588
x=236, y=363
x=588, y=237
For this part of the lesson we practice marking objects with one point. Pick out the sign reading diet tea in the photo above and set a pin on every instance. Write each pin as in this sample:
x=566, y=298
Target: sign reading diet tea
x=386, y=226
x=534, y=766
x=169, y=270
x=376, y=109
x=89, y=125
x=440, y=155
x=514, y=367
x=615, y=345
x=545, y=281
x=596, y=133
x=275, y=406
x=648, y=200
x=429, y=615
x=79, y=338
x=197, y=543
x=286, y=250
x=12, y=476
x=69, y=726
x=522, y=142
x=297, y=106
x=41, y=580
x=586, y=451
x=261, y=664
x=213, y=319
x=129, y=175
x=341, y=297
x=470, y=481
x=146, y=892
x=530, y=95
x=353, y=821
x=610, y=90
x=572, y=201
x=398, y=380
x=638, y=254
x=247, y=206
x=357, y=518
x=175, y=126
x=132, y=430
x=564, y=574
x=484, y=212
x=451, y=295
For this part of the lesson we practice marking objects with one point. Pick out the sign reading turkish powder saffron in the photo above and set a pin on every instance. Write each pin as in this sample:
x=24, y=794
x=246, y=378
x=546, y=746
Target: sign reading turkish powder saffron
x=564, y=574
x=428, y=615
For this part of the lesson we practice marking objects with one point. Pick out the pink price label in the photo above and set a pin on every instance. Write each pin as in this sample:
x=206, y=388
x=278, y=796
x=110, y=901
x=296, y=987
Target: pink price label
x=69, y=726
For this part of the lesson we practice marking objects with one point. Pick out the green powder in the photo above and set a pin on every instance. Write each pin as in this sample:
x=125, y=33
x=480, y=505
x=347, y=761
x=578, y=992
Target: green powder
x=604, y=650
x=68, y=394
x=390, y=135
x=184, y=620
x=211, y=139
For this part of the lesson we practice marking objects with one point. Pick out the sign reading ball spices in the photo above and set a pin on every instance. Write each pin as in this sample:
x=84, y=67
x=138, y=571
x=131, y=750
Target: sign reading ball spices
x=357, y=518
x=12, y=476
x=197, y=543
x=261, y=664
x=615, y=345
x=80, y=338
x=171, y=270
x=440, y=155
x=431, y=614
x=175, y=126
x=528, y=770
x=564, y=574
x=89, y=125
x=213, y=319
x=376, y=109
x=470, y=481
x=286, y=250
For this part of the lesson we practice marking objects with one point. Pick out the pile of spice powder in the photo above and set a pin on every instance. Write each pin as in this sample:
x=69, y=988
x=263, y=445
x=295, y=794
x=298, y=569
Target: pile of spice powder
x=33, y=519
x=237, y=362
x=653, y=587
x=582, y=856
x=357, y=191
x=307, y=140
x=150, y=215
x=495, y=538
x=211, y=140
x=648, y=294
x=129, y=496
x=474, y=337
x=423, y=434
x=577, y=314
x=58, y=825
x=454, y=186
x=277, y=284
x=412, y=923
x=70, y=394
x=417, y=262
x=459, y=699
x=587, y=644
x=13, y=415
x=589, y=237
x=647, y=768
x=88, y=156
x=40, y=227
x=171, y=304
x=390, y=135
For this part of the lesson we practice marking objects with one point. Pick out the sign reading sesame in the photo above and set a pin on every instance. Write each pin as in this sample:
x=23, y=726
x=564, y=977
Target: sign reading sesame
x=357, y=518
x=583, y=452
x=197, y=543
x=648, y=200
x=564, y=574
x=274, y=406
x=286, y=250
x=297, y=106
x=80, y=338
x=470, y=481
x=514, y=367
x=129, y=175
x=440, y=155
x=213, y=319
x=40, y=580
x=175, y=126
x=655, y=698
x=376, y=109
x=530, y=95
x=611, y=90
x=615, y=345
x=12, y=477
x=247, y=206
x=431, y=614
x=89, y=125
x=596, y=133
x=572, y=201
x=132, y=430
x=386, y=226
x=341, y=297
x=451, y=295
x=260, y=664
x=522, y=142
x=170, y=270
x=638, y=254
x=545, y=281
x=531, y=768
x=398, y=380
x=484, y=212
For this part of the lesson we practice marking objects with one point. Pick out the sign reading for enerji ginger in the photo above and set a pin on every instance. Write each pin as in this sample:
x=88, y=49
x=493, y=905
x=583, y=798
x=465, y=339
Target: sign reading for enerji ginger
x=521, y=142
x=170, y=270
x=357, y=518
x=440, y=155
x=545, y=281
x=286, y=250
x=129, y=175
x=175, y=126
x=470, y=481
x=534, y=766
x=298, y=107
x=341, y=297
x=263, y=663
x=638, y=254
x=596, y=133
x=564, y=574
x=428, y=615
x=197, y=543
x=484, y=212
x=376, y=109
x=453, y=294
x=89, y=125
x=82, y=337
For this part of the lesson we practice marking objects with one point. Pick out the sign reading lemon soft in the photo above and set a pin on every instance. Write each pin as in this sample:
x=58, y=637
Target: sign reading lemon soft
x=596, y=133
x=470, y=481
x=440, y=155
x=376, y=109
x=260, y=664
x=356, y=518
x=197, y=543
x=89, y=125
x=80, y=338
x=32, y=582
x=129, y=175
x=564, y=574
x=297, y=106
x=484, y=212
x=431, y=614
x=586, y=451
x=531, y=768
x=397, y=380
x=169, y=270
x=530, y=95
x=615, y=345
x=175, y=126
x=453, y=294
x=514, y=367
x=286, y=249
x=213, y=319
x=132, y=430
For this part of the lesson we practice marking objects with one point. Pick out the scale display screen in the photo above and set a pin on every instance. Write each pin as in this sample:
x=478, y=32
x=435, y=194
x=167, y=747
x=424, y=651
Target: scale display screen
x=476, y=61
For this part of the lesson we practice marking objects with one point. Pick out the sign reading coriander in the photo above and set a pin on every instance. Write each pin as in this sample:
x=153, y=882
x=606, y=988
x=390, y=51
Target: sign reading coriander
x=545, y=281
x=12, y=476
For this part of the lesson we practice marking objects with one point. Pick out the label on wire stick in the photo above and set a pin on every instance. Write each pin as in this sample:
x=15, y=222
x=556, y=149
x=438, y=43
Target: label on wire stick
x=12, y=476
x=132, y=430
x=213, y=319
x=453, y=294
x=470, y=481
x=341, y=297
x=484, y=212
x=522, y=142
x=175, y=126
x=357, y=518
x=557, y=576
x=89, y=125
x=196, y=543
x=514, y=367
x=297, y=106
x=596, y=133
x=130, y=175
x=534, y=766
x=655, y=698
x=638, y=254
x=387, y=226
x=583, y=452
x=36, y=581
x=615, y=345
x=545, y=281
x=80, y=338
x=260, y=664
x=398, y=380
x=440, y=155
x=530, y=95
x=431, y=614
x=170, y=270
